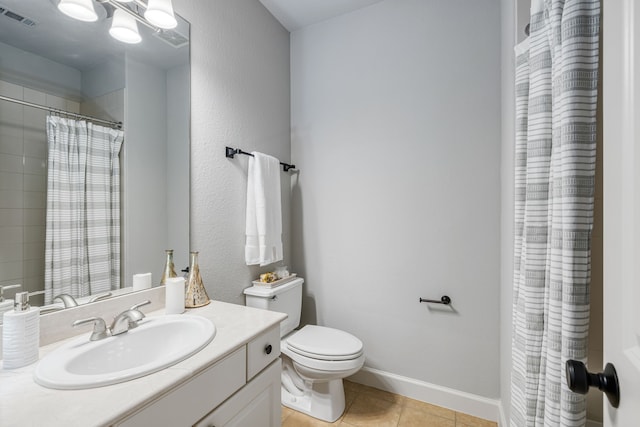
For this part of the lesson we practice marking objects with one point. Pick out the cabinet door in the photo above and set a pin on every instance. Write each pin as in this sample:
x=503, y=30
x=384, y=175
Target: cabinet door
x=255, y=405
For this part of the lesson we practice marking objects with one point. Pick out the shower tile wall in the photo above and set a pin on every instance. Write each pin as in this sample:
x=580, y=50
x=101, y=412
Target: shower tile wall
x=23, y=185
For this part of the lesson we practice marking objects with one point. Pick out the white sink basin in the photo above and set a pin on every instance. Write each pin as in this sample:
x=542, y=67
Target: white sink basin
x=157, y=343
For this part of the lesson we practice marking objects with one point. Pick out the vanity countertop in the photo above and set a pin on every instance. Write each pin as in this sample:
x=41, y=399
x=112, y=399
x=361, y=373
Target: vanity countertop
x=25, y=403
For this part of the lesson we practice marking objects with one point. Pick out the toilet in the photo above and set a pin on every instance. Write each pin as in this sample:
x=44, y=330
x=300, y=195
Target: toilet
x=315, y=359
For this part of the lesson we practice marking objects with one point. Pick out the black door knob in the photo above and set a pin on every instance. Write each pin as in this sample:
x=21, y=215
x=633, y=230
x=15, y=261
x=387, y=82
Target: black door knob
x=579, y=380
x=268, y=349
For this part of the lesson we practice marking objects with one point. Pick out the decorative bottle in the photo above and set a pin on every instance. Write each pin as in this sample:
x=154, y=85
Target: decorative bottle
x=169, y=268
x=196, y=294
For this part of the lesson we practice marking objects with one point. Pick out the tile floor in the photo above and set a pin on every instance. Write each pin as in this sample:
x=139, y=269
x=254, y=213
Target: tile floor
x=370, y=407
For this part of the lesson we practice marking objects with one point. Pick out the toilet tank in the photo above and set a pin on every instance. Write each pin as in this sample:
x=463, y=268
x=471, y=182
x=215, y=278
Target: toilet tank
x=285, y=298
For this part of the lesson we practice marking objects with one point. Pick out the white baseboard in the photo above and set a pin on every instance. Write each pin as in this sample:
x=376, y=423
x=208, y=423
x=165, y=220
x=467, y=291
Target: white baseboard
x=460, y=401
x=502, y=420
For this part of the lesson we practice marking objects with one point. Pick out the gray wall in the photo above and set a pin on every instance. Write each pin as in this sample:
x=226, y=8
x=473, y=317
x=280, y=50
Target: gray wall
x=144, y=177
x=240, y=98
x=177, y=123
x=33, y=71
x=396, y=130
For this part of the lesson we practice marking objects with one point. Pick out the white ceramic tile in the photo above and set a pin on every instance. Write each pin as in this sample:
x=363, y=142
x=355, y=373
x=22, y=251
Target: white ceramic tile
x=33, y=251
x=35, y=96
x=12, y=234
x=11, y=270
x=11, y=113
x=10, y=144
x=34, y=199
x=36, y=147
x=11, y=90
x=35, y=182
x=11, y=199
x=33, y=283
x=11, y=163
x=34, y=217
x=10, y=252
x=35, y=119
x=35, y=166
x=72, y=106
x=56, y=102
x=33, y=268
x=10, y=218
x=11, y=181
x=12, y=129
x=34, y=233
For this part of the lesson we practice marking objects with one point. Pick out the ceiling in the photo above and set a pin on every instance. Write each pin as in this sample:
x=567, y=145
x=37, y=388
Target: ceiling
x=81, y=45
x=295, y=14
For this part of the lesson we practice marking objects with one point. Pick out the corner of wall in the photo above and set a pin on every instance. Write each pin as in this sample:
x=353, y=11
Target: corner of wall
x=509, y=18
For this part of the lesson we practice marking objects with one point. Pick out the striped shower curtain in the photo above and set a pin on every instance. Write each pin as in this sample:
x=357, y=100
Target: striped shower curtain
x=82, y=247
x=556, y=92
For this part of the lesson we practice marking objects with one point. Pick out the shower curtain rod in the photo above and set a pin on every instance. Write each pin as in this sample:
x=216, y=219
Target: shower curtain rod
x=230, y=152
x=117, y=125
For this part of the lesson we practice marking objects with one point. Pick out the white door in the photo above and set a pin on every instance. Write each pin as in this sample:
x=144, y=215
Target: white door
x=621, y=229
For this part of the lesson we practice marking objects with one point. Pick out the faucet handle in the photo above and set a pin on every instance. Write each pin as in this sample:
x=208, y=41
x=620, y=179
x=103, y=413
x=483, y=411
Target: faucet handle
x=141, y=304
x=136, y=315
x=100, y=329
x=100, y=296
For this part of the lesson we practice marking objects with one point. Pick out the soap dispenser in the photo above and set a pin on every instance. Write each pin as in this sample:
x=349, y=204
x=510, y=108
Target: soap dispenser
x=6, y=304
x=21, y=333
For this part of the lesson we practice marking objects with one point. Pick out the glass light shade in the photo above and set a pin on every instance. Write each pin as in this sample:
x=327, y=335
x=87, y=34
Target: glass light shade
x=160, y=14
x=81, y=10
x=124, y=28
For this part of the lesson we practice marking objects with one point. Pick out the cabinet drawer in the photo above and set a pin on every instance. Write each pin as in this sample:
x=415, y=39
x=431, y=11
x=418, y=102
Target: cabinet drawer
x=191, y=401
x=263, y=350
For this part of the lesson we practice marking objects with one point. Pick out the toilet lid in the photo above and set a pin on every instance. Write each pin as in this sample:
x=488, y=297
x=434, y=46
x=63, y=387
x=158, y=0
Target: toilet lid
x=324, y=343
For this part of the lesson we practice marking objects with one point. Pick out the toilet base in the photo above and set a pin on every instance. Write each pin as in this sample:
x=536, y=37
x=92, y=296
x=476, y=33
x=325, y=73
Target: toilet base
x=322, y=400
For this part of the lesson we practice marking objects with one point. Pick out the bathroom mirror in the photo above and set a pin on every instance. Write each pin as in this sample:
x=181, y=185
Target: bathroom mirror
x=50, y=59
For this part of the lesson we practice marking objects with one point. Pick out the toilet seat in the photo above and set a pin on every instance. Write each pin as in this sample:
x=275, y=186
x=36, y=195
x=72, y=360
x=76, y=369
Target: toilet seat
x=323, y=343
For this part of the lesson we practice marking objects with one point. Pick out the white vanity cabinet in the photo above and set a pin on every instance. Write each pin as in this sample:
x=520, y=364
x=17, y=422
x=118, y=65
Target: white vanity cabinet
x=253, y=405
x=242, y=389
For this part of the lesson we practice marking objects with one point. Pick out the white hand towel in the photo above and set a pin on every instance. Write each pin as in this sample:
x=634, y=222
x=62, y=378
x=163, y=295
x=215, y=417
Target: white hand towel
x=264, y=211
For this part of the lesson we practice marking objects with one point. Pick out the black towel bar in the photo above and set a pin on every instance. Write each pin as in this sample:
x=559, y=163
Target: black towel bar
x=230, y=152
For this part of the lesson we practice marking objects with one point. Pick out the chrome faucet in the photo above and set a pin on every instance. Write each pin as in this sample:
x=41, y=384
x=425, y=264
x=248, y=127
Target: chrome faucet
x=70, y=301
x=128, y=319
x=67, y=300
x=124, y=321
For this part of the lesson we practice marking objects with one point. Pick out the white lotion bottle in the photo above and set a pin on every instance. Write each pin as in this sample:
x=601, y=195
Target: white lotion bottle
x=6, y=304
x=21, y=333
x=174, y=292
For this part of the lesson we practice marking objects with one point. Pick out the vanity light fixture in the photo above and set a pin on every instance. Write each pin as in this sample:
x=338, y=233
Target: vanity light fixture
x=157, y=15
x=81, y=10
x=124, y=28
x=160, y=14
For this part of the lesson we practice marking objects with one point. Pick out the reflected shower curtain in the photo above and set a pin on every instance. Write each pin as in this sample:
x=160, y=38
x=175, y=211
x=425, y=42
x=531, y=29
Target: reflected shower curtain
x=556, y=92
x=82, y=247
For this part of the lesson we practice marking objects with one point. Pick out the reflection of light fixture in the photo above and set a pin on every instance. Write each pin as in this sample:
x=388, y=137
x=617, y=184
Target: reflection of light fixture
x=79, y=9
x=158, y=14
x=124, y=28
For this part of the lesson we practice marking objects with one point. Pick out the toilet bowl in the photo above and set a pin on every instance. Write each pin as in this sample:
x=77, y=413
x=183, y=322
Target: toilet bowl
x=315, y=359
x=320, y=357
